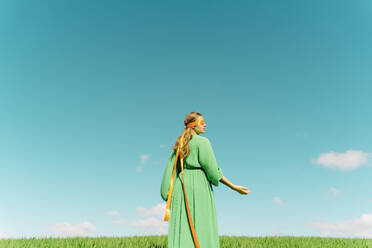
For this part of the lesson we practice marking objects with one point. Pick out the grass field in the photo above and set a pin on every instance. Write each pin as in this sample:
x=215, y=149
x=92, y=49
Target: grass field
x=161, y=242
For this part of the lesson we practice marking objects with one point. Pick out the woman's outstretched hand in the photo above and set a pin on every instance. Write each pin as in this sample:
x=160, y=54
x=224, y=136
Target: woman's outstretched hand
x=242, y=190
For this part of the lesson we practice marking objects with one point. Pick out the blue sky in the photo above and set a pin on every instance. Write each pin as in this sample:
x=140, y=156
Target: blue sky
x=93, y=95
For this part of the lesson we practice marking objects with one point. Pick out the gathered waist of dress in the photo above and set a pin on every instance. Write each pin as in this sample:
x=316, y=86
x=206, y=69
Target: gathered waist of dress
x=192, y=168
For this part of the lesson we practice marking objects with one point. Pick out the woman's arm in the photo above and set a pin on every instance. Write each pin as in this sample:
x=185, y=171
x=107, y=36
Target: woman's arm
x=240, y=189
x=227, y=182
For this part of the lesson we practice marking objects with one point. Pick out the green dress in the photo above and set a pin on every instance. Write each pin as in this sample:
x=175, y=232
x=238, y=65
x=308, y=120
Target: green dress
x=200, y=172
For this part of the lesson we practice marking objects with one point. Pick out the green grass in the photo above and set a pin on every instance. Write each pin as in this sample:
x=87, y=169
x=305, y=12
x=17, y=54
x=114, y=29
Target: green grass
x=161, y=242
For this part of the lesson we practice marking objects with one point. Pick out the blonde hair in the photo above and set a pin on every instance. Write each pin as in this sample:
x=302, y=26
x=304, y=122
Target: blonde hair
x=185, y=150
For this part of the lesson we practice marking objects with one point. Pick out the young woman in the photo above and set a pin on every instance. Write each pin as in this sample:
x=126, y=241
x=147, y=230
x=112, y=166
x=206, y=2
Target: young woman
x=187, y=187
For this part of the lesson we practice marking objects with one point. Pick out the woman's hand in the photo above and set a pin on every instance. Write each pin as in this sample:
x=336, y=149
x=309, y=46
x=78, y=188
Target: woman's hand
x=241, y=189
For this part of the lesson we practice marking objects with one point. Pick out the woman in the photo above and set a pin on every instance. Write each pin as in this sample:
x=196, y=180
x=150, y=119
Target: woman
x=200, y=171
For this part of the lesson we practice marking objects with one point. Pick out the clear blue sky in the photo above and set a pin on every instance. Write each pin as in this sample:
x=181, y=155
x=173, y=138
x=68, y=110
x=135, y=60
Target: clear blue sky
x=93, y=95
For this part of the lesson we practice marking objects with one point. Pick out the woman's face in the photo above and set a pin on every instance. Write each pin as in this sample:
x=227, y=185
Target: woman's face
x=201, y=127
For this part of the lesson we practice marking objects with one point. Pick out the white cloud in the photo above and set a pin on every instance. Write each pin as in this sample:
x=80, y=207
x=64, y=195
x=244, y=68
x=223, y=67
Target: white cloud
x=360, y=227
x=112, y=213
x=3, y=236
x=344, y=161
x=335, y=192
x=148, y=223
x=153, y=224
x=277, y=200
x=157, y=211
x=70, y=230
x=144, y=158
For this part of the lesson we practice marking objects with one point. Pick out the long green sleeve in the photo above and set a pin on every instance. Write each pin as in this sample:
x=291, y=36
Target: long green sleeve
x=208, y=161
x=165, y=183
